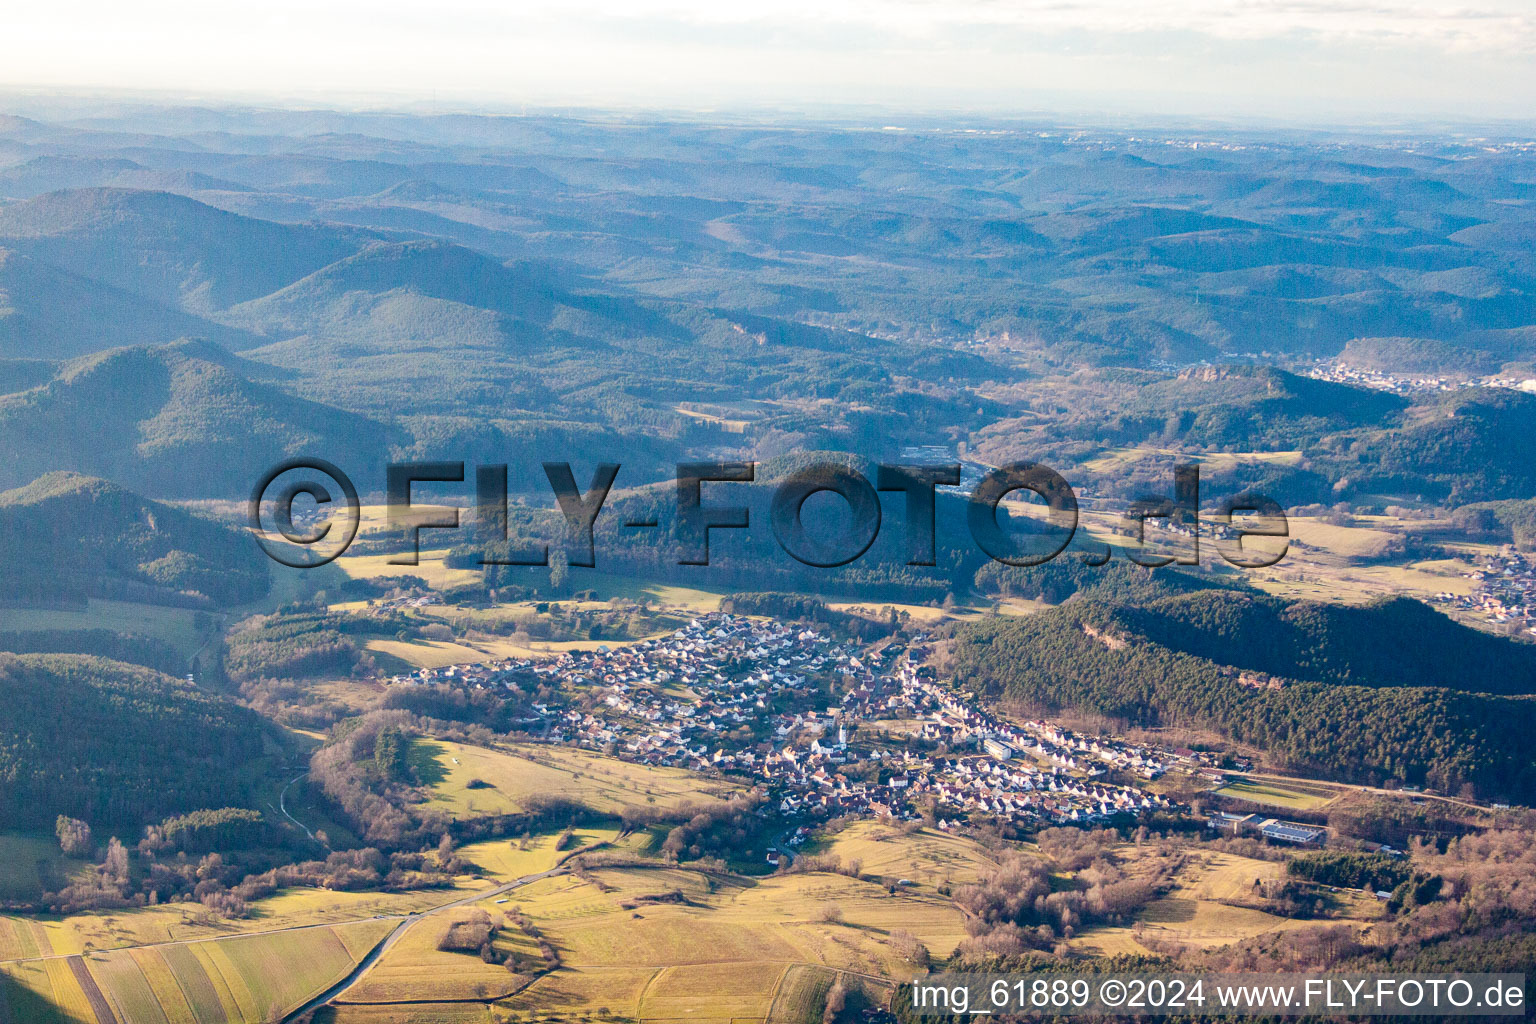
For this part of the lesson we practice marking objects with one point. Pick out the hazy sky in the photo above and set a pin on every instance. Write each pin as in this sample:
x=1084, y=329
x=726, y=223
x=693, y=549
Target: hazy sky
x=1315, y=59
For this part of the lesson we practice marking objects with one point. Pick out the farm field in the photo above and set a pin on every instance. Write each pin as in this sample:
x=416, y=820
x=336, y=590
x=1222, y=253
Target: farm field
x=506, y=859
x=1199, y=911
x=732, y=418
x=430, y=568
x=1353, y=564
x=416, y=1013
x=175, y=922
x=879, y=610
x=707, y=921
x=693, y=600
x=357, y=695
x=893, y=726
x=801, y=994
x=22, y=937
x=1342, y=541
x=500, y=616
x=414, y=968
x=671, y=943
x=516, y=775
x=606, y=586
x=254, y=978
x=437, y=653
x=1275, y=794
x=1301, y=577
x=431, y=653
x=928, y=857
x=1121, y=459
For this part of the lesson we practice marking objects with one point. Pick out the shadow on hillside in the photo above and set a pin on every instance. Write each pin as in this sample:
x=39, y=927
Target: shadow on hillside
x=19, y=1003
x=427, y=762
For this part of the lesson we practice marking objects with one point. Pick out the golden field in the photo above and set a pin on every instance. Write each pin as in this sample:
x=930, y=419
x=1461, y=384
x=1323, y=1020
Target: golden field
x=518, y=773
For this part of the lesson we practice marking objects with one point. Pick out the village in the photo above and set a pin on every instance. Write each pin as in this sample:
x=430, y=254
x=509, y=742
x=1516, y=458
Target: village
x=829, y=728
x=1340, y=372
x=1505, y=594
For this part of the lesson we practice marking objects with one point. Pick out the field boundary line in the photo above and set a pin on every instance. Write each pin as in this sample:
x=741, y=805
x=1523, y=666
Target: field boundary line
x=640, y=996
x=93, y=995
x=778, y=990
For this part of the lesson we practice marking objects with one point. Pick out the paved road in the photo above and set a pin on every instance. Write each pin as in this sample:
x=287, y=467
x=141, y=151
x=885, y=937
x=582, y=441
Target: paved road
x=402, y=923
x=282, y=805
x=405, y=922
x=781, y=844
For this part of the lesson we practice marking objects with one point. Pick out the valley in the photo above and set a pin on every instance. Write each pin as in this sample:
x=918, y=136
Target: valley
x=462, y=787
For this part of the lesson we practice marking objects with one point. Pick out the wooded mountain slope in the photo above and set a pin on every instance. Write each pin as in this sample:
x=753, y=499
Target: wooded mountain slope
x=1203, y=661
x=115, y=744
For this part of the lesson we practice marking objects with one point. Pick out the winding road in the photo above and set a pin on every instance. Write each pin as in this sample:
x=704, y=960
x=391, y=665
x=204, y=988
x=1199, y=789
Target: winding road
x=366, y=964
x=282, y=806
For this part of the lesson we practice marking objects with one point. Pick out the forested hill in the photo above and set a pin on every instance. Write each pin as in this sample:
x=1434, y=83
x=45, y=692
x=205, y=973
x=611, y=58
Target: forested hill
x=176, y=420
x=115, y=744
x=1396, y=642
x=1186, y=662
x=66, y=537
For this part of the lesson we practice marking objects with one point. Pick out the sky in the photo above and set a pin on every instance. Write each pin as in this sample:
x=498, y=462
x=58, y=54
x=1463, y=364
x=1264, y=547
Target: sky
x=1325, y=61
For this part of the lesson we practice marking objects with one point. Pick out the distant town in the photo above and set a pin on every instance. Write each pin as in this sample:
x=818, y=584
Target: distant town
x=1408, y=383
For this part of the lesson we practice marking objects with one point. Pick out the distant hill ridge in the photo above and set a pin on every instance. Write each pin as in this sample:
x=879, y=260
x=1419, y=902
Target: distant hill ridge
x=178, y=420
x=186, y=254
x=437, y=270
x=67, y=536
x=47, y=312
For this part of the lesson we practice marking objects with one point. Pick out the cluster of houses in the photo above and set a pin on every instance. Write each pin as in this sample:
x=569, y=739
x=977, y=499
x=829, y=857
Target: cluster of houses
x=965, y=760
x=1404, y=384
x=1506, y=591
x=829, y=728
x=683, y=699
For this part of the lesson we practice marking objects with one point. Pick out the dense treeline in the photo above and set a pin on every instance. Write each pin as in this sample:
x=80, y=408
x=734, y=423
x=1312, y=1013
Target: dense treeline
x=203, y=831
x=148, y=651
x=1118, y=581
x=1513, y=521
x=1016, y=904
x=1394, y=642
x=1397, y=822
x=288, y=653
x=744, y=559
x=300, y=641
x=1468, y=446
x=174, y=420
x=362, y=769
x=1465, y=905
x=1373, y=871
x=718, y=830
x=115, y=744
x=1083, y=657
x=1473, y=445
